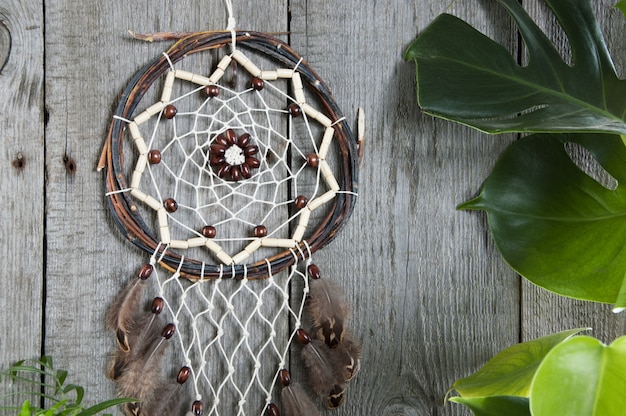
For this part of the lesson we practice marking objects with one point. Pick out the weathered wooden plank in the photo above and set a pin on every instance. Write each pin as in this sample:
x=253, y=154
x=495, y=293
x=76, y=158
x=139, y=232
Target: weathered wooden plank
x=89, y=59
x=544, y=312
x=22, y=184
x=432, y=300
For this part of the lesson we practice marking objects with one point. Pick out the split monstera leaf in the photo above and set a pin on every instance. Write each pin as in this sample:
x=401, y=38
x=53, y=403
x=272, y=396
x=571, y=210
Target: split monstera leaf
x=553, y=223
x=560, y=374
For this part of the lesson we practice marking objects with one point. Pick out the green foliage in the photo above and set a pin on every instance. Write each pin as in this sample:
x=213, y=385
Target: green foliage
x=561, y=374
x=582, y=377
x=464, y=76
x=553, y=223
x=49, y=384
x=510, y=373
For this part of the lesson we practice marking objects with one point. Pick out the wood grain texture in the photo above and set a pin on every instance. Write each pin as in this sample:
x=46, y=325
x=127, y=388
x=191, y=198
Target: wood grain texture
x=22, y=183
x=432, y=299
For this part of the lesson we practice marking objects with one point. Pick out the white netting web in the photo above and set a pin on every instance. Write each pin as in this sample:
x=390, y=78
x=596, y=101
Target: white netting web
x=232, y=174
x=234, y=336
x=231, y=161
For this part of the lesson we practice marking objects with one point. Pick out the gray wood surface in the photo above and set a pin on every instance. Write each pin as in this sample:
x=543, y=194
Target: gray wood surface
x=432, y=299
x=22, y=288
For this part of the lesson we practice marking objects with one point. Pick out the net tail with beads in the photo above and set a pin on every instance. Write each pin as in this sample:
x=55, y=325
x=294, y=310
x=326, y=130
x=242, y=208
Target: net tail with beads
x=233, y=338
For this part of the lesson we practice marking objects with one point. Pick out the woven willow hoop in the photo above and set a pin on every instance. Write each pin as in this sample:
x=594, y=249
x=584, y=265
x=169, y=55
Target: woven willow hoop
x=130, y=220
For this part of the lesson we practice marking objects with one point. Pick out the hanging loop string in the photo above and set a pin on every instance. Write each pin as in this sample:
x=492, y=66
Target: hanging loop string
x=231, y=23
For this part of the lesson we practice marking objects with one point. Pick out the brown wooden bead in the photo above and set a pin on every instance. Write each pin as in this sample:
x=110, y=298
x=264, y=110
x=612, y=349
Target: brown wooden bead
x=145, y=271
x=222, y=140
x=212, y=90
x=245, y=171
x=314, y=271
x=260, y=231
x=168, y=331
x=312, y=160
x=224, y=170
x=285, y=377
x=154, y=157
x=170, y=111
x=157, y=305
x=250, y=150
x=197, y=408
x=272, y=410
x=257, y=83
x=301, y=201
x=244, y=140
x=231, y=136
x=217, y=149
x=294, y=109
x=170, y=205
x=235, y=173
x=253, y=162
x=303, y=336
x=183, y=375
x=216, y=160
x=209, y=231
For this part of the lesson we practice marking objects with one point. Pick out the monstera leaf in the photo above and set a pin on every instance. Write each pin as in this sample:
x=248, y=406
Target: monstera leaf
x=554, y=224
x=562, y=375
x=464, y=76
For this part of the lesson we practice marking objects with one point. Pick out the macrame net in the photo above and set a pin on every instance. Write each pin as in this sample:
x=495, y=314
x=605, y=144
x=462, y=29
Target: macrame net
x=249, y=167
x=231, y=335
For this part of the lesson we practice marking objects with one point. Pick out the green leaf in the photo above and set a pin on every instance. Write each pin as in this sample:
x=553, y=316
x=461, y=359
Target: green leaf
x=554, y=224
x=105, y=405
x=463, y=75
x=581, y=377
x=495, y=405
x=61, y=375
x=511, y=371
x=25, y=411
x=80, y=392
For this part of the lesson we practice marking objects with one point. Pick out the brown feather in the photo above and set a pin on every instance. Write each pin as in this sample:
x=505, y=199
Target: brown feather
x=322, y=375
x=167, y=402
x=346, y=358
x=336, y=397
x=141, y=376
x=328, y=310
x=138, y=370
x=122, y=313
x=296, y=402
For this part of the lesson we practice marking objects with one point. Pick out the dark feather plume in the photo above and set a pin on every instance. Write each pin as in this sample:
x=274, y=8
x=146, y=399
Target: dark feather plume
x=123, y=312
x=328, y=310
x=346, y=358
x=336, y=397
x=139, y=372
x=322, y=375
x=297, y=403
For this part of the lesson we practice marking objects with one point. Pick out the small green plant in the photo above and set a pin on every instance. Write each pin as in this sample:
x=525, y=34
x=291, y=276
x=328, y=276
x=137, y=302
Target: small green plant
x=49, y=384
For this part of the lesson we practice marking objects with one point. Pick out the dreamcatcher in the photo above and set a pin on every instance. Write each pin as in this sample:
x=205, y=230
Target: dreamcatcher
x=230, y=177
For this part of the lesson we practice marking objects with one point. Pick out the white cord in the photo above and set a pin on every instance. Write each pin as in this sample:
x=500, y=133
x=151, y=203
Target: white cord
x=231, y=23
